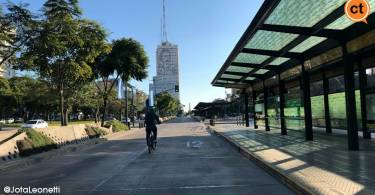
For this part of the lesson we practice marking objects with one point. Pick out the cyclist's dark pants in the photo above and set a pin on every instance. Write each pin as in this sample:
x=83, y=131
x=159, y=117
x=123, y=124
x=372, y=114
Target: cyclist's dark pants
x=152, y=129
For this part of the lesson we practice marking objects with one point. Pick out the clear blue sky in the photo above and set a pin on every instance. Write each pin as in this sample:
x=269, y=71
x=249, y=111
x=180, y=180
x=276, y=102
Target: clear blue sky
x=205, y=31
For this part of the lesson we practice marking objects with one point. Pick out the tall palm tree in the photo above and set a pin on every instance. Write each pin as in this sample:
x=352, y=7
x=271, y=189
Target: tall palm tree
x=127, y=59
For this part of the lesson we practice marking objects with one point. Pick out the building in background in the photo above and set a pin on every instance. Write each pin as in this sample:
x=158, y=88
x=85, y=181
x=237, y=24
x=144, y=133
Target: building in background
x=167, y=77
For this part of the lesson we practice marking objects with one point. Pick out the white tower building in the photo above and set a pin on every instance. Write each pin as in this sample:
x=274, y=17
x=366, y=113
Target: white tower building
x=167, y=77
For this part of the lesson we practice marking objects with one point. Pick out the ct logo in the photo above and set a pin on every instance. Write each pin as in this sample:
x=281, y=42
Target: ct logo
x=357, y=10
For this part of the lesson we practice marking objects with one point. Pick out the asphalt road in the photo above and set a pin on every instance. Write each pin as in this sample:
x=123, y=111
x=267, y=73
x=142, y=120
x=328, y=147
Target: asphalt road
x=188, y=160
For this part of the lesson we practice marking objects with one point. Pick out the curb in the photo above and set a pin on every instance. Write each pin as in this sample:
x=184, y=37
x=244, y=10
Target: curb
x=289, y=182
x=37, y=158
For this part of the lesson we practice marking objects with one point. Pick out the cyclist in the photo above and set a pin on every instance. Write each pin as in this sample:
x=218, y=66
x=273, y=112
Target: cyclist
x=151, y=119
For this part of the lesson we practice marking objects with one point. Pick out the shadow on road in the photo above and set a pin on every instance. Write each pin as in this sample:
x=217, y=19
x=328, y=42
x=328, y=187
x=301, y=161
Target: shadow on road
x=188, y=160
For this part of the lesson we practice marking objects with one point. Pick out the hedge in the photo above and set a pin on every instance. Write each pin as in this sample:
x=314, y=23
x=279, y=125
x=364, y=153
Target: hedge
x=94, y=132
x=116, y=126
x=34, y=143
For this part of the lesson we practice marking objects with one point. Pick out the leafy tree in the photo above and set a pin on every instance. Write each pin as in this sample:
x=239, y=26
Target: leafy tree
x=86, y=101
x=167, y=105
x=33, y=97
x=114, y=105
x=4, y=86
x=63, y=47
x=42, y=100
x=22, y=91
x=136, y=64
x=17, y=26
x=7, y=101
x=126, y=60
x=140, y=100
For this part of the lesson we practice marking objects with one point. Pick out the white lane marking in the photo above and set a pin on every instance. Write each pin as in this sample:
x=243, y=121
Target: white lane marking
x=131, y=159
x=187, y=187
x=197, y=144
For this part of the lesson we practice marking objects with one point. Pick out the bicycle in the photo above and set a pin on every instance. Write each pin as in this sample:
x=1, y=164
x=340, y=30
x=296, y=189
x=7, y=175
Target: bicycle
x=151, y=142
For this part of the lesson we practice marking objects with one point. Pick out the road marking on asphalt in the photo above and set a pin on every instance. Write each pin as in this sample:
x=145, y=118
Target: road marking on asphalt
x=194, y=144
x=121, y=167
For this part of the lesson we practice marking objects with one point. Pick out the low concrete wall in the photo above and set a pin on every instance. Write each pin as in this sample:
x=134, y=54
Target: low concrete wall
x=108, y=130
x=9, y=149
x=61, y=135
x=167, y=118
x=6, y=134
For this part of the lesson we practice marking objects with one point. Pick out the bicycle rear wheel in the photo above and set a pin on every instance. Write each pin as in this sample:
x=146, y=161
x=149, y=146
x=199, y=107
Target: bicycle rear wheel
x=150, y=143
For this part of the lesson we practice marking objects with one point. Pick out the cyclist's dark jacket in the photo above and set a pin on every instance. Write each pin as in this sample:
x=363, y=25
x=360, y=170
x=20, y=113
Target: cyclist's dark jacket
x=151, y=119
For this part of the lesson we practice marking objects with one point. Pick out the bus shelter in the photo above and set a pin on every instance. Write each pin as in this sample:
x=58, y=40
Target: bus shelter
x=305, y=65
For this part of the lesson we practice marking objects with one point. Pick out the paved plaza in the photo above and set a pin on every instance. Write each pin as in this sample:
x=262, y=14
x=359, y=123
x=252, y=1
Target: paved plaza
x=322, y=166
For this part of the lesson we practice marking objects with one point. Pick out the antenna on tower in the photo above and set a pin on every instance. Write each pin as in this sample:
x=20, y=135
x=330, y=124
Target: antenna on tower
x=164, y=26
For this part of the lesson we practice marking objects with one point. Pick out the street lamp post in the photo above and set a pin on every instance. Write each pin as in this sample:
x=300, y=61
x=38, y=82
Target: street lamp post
x=133, y=105
x=126, y=104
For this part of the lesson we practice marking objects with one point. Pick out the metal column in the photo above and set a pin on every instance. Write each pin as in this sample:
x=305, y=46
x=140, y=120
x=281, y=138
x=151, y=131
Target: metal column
x=282, y=106
x=246, y=98
x=351, y=114
x=254, y=113
x=265, y=98
x=326, y=104
x=307, y=104
x=362, y=87
x=133, y=110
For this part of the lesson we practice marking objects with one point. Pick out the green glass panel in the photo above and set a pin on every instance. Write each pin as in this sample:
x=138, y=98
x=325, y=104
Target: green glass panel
x=337, y=110
x=259, y=107
x=259, y=112
x=268, y=40
x=340, y=24
x=302, y=13
x=229, y=76
x=261, y=71
x=224, y=81
x=370, y=99
x=344, y=22
x=250, y=78
x=370, y=105
x=307, y=44
x=273, y=111
x=317, y=111
x=239, y=69
x=250, y=58
x=293, y=111
x=279, y=61
x=358, y=108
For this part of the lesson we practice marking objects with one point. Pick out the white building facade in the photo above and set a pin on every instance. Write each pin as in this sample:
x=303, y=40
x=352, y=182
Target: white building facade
x=167, y=70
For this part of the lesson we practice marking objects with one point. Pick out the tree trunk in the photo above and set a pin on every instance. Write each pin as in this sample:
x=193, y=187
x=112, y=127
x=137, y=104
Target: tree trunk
x=105, y=99
x=62, y=116
x=97, y=114
x=66, y=117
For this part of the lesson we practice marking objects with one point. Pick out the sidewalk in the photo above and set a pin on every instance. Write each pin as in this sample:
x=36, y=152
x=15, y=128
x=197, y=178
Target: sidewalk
x=37, y=158
x=323, y=166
